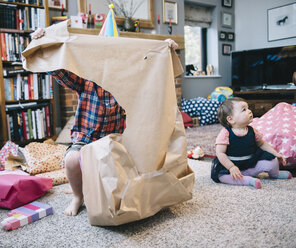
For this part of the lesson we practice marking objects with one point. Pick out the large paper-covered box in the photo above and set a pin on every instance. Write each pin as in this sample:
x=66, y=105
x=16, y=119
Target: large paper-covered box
x=129, y=176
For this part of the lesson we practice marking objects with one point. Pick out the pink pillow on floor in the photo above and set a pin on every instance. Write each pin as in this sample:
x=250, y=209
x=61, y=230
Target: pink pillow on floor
x=278, y=127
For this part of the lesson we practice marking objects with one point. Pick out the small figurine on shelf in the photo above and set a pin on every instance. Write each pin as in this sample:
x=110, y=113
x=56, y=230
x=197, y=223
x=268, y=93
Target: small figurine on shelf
x=62, y=14
x=99, y=19
x=89, y=21
x=137, y=26
x=158, y=23
x=61, y=18
x=170, y=28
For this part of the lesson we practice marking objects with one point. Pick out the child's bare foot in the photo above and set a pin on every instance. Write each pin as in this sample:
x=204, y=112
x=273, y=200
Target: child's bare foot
x=68, y=191
x=74, y=206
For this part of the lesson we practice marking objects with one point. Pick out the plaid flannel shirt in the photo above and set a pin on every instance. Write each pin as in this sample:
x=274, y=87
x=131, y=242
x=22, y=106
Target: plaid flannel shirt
x=98, y=113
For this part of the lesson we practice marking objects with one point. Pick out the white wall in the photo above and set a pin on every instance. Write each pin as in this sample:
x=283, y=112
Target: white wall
x=251, y=24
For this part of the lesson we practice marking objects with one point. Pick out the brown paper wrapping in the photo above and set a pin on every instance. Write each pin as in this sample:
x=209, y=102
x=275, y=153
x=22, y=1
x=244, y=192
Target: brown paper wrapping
x=129, y=176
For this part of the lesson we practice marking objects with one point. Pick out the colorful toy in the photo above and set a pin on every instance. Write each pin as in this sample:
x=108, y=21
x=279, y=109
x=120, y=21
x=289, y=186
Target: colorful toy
x=99, y=19
x=195, y=153
x=26, y=214
x=222, y=93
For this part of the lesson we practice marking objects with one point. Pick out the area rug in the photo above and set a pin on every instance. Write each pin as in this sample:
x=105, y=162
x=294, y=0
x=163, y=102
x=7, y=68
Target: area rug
x=217, y=216
x=203, y=136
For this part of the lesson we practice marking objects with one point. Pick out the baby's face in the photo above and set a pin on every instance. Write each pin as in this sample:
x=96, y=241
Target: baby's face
x=241, y=114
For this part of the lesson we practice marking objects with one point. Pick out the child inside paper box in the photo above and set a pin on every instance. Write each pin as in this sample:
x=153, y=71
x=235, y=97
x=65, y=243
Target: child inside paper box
x=89, y=94
x=241, y=152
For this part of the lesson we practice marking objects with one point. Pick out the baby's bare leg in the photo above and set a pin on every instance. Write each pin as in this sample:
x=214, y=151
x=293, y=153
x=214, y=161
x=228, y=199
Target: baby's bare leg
x=74, y=175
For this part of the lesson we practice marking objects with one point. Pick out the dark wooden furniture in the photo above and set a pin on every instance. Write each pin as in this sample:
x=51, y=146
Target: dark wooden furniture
x=260, y=101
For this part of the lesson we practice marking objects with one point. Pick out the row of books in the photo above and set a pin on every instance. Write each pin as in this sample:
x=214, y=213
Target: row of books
x=24, y=18
x=12, y=45
x=32, y=86
x=33, y=121
x=36, y=2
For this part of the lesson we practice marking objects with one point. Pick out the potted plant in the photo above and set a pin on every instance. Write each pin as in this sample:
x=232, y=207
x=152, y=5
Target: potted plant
x=127, y=9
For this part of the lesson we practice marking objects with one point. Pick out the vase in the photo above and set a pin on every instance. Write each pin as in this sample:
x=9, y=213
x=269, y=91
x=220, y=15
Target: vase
x=128, y=24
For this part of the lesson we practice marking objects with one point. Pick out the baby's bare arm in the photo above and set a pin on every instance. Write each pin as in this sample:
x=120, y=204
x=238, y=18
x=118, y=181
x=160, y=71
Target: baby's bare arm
x=225, y=161
x=266, y=147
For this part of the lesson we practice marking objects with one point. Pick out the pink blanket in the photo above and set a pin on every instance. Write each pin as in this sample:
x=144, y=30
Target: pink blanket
x=278, y=127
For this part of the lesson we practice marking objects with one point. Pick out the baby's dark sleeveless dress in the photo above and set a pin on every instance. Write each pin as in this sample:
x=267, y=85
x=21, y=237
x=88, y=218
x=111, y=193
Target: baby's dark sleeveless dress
x=242, y=151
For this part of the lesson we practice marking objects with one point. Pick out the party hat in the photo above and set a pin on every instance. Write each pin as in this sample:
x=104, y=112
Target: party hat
x=109, y=27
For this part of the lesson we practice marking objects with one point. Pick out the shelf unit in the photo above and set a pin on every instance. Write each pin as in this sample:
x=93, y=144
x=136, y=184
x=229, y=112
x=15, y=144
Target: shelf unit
x=4, y=135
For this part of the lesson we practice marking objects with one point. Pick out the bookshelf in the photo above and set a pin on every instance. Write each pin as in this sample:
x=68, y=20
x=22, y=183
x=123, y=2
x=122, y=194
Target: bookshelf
x=26, y=99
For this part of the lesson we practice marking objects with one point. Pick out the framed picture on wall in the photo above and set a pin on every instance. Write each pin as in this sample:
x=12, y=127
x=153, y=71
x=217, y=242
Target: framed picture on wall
x=58, y=4
x=226, y=49
x=226, y=19
x=222, y=35
x=230, y=36
x=227, y=3
x=281, y=22
x=170, y=12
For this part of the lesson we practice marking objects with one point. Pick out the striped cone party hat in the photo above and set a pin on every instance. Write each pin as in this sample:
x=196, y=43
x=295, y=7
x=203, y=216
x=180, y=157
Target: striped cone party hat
x=109, y=27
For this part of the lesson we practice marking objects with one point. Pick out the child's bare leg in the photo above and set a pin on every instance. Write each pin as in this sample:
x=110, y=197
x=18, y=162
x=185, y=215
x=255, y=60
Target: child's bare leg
x=74, y=175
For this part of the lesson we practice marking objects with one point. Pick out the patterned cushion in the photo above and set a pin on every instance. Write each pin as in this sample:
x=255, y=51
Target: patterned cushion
x=278, y=129
x=203, y=108
x=42, y=157
x=57, y=176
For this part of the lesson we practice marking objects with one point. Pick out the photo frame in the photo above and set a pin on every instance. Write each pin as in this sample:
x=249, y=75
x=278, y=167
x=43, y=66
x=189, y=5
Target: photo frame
x=280, y=24
x=170, y=12
x=230, y=36
x=226, y=49
x=226, y=19
x=53, y=4
x=227, y=3
x=222, y=35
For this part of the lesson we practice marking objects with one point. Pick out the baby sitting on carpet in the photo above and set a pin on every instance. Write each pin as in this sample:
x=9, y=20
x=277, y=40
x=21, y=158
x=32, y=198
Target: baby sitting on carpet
x=241, y=152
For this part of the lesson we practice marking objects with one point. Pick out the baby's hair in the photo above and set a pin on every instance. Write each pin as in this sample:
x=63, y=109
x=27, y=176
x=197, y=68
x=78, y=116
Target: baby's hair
x=226, y=109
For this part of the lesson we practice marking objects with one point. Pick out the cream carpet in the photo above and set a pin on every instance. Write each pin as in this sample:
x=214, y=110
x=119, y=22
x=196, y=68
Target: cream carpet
x=217, y=216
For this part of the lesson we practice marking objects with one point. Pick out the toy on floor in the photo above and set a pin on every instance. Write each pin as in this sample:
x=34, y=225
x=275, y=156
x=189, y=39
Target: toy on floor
x=221, y=93
x=196, y=153
x=26, y=214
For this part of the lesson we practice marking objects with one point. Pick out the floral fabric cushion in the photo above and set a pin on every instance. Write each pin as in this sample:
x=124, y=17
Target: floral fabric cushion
x=7, y=149
x=57, y=176
x=42, y=157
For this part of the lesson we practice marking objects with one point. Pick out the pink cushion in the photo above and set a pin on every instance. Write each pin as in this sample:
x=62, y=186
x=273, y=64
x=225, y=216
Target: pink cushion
x=278, y=129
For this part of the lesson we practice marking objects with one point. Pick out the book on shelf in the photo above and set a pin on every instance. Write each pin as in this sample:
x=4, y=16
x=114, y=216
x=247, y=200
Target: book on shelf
x=27, y=86
x=24, y=125
x=29, y=121
x=9, y=124
x=30, y=126
x=12, y=45
x=21, y=17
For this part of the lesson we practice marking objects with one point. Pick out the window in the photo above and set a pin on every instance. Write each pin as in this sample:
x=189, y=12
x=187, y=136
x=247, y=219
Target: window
x=192, y=36
x=197, y=20
x=195, y=47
